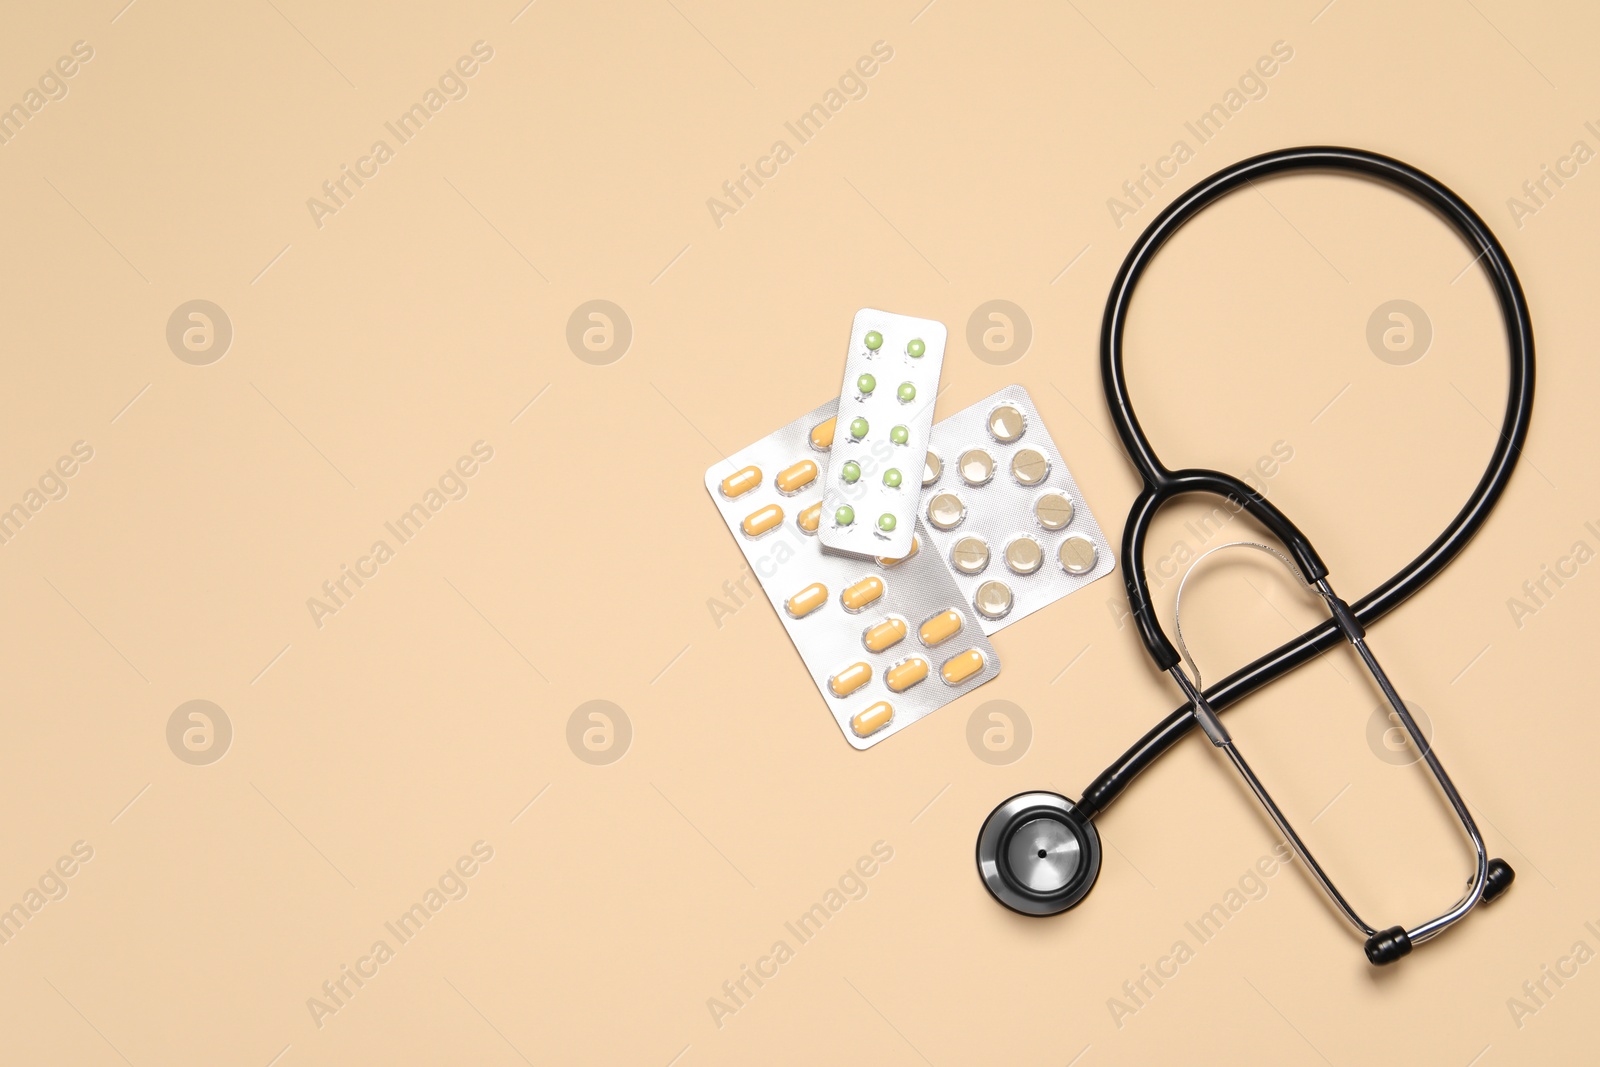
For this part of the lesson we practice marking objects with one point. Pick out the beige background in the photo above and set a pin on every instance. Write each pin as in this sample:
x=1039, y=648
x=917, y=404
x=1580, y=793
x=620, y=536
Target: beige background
x=431, y=712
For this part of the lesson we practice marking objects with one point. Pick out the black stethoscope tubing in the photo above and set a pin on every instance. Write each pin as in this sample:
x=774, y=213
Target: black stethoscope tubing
x=1162, y=484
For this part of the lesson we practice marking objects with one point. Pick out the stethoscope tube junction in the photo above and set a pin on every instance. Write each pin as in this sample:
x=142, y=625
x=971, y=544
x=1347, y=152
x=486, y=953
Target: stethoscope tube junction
x=1039, y=853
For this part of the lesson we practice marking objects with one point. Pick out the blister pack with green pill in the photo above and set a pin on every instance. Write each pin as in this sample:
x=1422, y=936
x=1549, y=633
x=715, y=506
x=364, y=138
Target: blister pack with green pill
x=891, y=377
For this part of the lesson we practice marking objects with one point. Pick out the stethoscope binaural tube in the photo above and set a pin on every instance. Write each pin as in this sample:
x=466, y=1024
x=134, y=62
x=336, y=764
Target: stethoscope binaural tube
x=1161, y=485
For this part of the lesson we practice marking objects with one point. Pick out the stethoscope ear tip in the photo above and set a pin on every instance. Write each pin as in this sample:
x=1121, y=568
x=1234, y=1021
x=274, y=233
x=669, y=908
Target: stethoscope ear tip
x=1038, y=854
x=1386, y=946
x=1498, y=881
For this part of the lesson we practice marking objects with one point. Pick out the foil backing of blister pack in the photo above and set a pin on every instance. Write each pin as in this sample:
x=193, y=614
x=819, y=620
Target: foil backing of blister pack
x=1005, y=508
x=787, y=560
x=891, y=379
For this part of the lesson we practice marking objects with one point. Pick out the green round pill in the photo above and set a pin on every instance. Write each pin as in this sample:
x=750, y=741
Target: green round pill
x=899, y=435
x=907, y=392
x=886, y=522
x=891, y=478
x=858, y=428
x=866, y=383
x=874, y=340
x=916, y=348
x=851, y=472
x=845, y=515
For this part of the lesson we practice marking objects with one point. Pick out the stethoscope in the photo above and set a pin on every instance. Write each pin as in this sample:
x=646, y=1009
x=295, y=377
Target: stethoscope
x=1039, y=853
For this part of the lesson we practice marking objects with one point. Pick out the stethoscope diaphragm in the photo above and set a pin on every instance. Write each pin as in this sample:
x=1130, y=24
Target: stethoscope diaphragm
x=1037, y=855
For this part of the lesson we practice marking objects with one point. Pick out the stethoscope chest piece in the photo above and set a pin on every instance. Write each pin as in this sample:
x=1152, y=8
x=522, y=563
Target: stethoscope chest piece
x=1037, y=855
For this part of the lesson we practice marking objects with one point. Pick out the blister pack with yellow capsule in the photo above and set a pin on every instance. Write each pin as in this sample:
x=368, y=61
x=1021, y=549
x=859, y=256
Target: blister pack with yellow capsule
x=886, y=640
x=1005, y=514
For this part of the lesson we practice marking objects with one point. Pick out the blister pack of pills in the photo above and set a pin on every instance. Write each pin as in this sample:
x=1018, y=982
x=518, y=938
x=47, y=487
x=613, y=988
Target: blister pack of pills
x=891, y=377
x=1003, y=511
x=887, y=640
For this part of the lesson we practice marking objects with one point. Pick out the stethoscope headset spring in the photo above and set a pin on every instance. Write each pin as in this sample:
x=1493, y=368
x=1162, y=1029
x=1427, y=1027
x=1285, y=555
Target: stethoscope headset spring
x=1039, y=853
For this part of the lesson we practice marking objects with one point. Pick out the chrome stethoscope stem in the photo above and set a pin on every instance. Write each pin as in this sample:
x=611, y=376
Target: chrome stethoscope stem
x=1435, y=926
x=1219, y=736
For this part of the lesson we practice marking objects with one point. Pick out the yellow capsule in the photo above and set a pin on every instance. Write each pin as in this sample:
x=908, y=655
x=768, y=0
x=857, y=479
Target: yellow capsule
x=886, y=634
x=895, y=561
x=961, y=666
x=740, y=482
x=868, y=722
x=904, y=675
x=940, y=628
x=822, y=434
x=864, y=592
x=807, y=600
x=850, y=679
x=808, y=519
x=761, y=520
x=795, y=478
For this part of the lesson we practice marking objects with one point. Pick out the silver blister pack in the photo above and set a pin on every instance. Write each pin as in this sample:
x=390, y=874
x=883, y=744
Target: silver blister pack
x=891, y=378
x=768, y=494
x=1004, y=513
